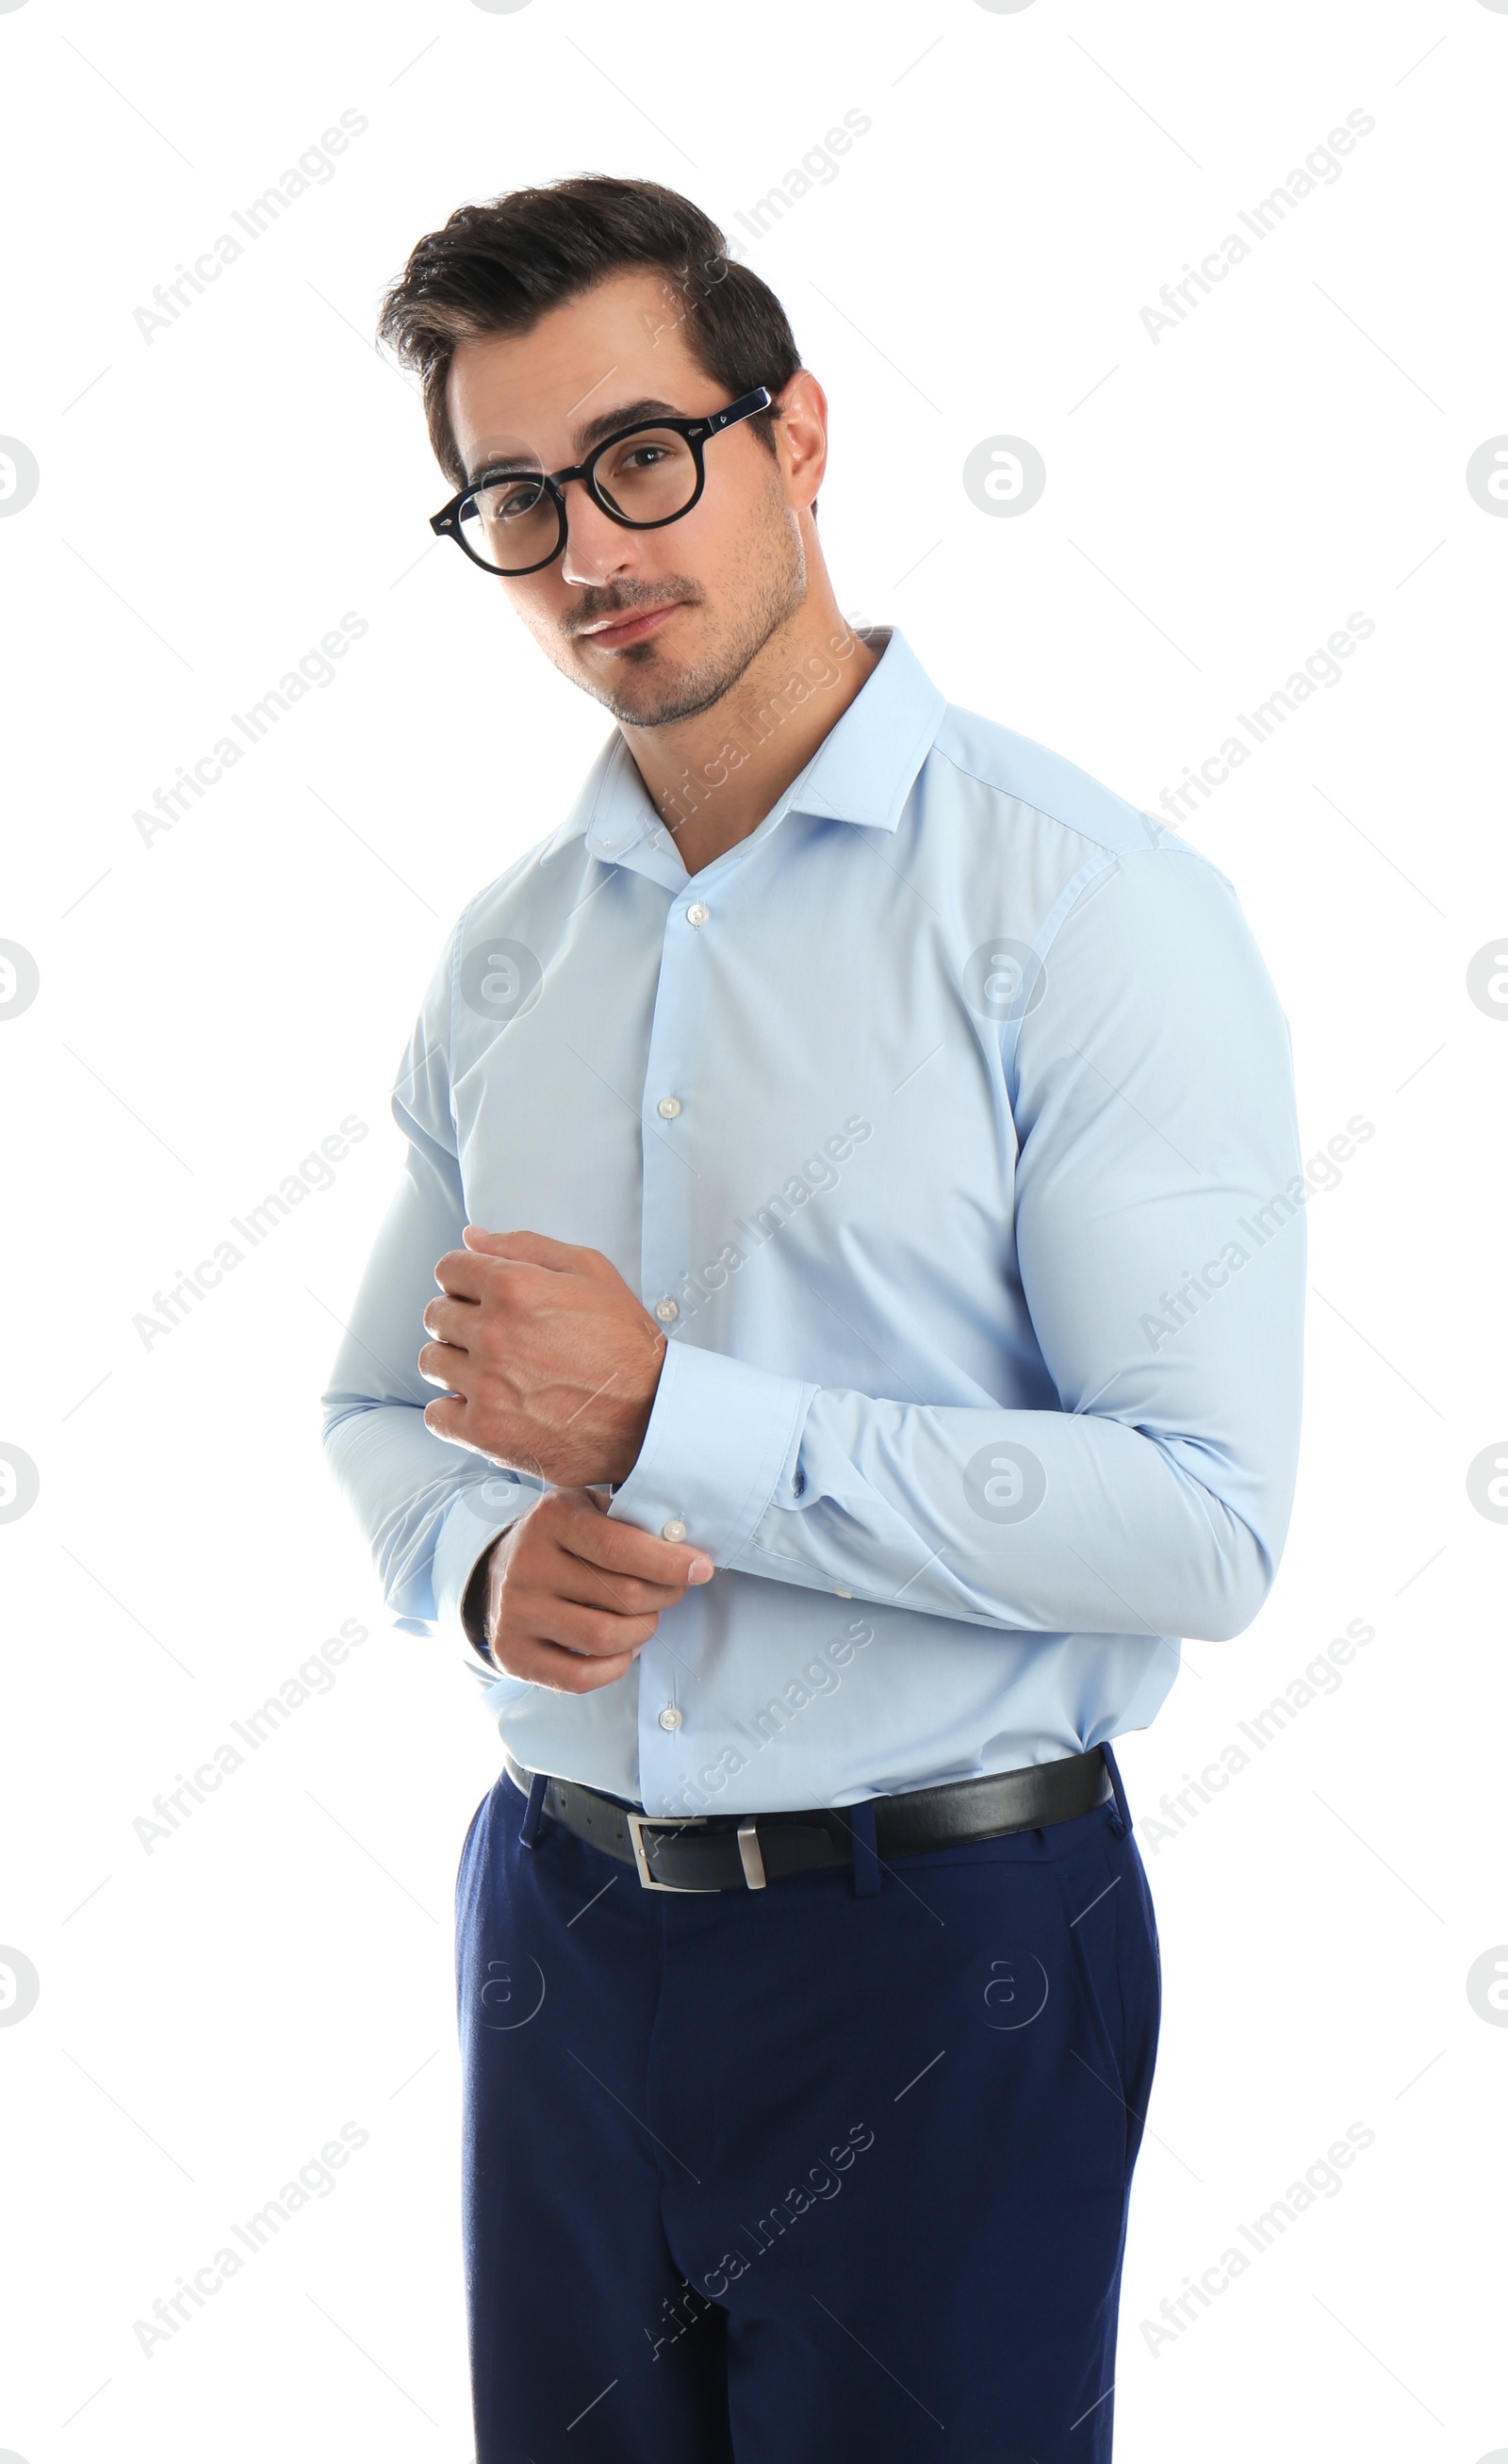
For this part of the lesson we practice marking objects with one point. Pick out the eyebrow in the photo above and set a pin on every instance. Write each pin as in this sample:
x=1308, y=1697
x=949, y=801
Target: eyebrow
x=606, y=423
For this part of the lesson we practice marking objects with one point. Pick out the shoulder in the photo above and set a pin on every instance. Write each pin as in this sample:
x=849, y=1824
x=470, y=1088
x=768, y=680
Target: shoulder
x=1032, y=787
x=1047, y=788
x=1107, y=888
x=529, y=898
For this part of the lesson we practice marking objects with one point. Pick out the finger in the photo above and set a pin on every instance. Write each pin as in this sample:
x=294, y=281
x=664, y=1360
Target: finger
x=451, y=1321
x=443, y=1364
x=576, y=1626
x=564, y=1672
x=461, y=1275
x=574, y=1578
x=623, y=1548
x=527, y=1249
x=446, y=1418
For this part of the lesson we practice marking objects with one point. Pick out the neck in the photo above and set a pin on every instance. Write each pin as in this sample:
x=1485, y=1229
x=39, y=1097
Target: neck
x=713, y=778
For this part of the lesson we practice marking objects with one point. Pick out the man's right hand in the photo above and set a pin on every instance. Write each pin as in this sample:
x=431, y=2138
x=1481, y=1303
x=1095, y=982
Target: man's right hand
x=572, y=1598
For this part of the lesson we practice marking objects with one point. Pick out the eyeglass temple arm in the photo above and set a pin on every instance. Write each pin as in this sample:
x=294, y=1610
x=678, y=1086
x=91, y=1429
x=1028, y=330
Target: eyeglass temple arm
x=743, y=409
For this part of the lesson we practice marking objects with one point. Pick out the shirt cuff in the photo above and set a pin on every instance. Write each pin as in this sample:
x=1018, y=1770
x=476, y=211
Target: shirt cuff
x=472, y=1524
x=722, y=1434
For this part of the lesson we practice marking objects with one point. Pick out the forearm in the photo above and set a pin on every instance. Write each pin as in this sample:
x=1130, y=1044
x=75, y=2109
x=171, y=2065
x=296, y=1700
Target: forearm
x=1044, y=1522
x=430, y=1512
x=1048, y=1522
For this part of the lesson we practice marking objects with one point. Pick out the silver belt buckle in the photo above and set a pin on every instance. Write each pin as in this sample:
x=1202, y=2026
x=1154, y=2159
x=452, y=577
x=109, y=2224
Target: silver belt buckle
x=664, y=1822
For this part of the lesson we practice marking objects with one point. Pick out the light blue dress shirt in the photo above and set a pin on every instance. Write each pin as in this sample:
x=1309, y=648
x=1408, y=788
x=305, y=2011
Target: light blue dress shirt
x=947, y=1122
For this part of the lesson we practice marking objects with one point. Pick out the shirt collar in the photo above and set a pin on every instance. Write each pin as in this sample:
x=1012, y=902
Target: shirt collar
x=862, y=771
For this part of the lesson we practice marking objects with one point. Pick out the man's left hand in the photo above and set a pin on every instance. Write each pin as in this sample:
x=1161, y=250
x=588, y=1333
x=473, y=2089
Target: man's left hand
x=551, y=1362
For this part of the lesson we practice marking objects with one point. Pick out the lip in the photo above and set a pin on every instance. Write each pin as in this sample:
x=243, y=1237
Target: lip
x=613, y=636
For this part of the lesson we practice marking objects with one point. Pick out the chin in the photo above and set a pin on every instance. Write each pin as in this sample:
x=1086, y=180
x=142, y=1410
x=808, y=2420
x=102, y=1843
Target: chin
x=648, y=690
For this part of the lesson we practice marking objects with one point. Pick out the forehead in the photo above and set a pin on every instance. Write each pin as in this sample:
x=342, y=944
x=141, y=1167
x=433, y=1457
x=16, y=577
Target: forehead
x=621, y=342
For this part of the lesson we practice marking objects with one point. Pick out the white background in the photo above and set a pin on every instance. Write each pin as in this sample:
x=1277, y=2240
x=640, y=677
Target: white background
x=212, y=1003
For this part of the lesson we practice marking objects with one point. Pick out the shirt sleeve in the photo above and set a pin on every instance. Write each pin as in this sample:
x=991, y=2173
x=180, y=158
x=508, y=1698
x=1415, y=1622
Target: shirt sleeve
x=1159, y=1239
x=429, y=1508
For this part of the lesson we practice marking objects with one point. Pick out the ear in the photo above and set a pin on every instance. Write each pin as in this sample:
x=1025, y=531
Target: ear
x=800, y=437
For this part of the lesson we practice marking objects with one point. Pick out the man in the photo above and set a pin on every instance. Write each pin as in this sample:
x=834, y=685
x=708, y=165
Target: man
x=856, y=1153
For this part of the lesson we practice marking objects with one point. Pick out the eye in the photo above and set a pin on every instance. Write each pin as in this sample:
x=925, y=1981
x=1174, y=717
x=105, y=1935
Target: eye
x=631, y=460
x=506, y=499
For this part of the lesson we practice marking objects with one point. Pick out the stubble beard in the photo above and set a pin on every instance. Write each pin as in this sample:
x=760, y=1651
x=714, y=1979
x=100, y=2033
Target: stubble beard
x=647, y=690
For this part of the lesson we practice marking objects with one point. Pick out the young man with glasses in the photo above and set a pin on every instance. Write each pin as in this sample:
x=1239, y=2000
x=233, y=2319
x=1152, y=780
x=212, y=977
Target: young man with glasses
x=836, y=1144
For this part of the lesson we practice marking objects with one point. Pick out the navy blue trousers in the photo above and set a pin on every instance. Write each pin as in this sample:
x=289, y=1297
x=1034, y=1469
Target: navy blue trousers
x=802, y=2174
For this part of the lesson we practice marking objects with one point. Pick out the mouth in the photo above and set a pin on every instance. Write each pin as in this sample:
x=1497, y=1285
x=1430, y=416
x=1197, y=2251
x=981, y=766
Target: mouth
x=616, y=633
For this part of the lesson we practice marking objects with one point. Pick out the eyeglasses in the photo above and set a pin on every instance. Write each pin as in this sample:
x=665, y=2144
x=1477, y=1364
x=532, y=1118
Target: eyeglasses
x=513, y=518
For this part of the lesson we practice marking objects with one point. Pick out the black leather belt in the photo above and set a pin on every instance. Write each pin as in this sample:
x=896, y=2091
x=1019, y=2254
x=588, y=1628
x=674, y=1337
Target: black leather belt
x=743, y=1852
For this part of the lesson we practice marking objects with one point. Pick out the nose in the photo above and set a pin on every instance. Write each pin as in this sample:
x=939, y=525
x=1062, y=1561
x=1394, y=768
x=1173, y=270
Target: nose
x=597, y=548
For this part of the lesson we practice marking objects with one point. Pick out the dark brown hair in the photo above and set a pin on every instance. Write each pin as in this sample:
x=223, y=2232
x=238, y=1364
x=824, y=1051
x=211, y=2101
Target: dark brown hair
x=498, y=268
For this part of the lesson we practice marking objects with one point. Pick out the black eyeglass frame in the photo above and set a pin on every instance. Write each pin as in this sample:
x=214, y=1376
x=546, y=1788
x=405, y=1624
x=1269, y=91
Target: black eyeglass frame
x=446, y=523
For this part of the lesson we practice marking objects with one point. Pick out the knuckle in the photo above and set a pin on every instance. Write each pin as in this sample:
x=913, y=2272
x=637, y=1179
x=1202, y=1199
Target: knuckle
x=586, y=1680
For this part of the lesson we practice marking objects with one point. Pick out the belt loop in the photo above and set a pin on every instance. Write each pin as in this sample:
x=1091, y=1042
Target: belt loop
x=528, y=1829
x=1121, y=1820
x=867, y=1856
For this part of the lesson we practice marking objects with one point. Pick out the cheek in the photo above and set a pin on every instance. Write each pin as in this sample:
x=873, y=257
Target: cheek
x=537, y=604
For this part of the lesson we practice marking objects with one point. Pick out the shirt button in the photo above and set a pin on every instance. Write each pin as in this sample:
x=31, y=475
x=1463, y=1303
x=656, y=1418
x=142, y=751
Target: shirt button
x=674, y=1530
x=698, y=913
x=668, y=1309
x=841, y=1594
x=670, y=1717
x=667, y=1107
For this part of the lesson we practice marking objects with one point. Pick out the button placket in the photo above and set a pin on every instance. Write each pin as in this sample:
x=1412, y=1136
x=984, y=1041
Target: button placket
x=670, y=1189
x=669, y=1181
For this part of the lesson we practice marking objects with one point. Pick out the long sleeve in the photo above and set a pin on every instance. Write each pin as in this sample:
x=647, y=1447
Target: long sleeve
x=1157, y=1233
x=429, y=1508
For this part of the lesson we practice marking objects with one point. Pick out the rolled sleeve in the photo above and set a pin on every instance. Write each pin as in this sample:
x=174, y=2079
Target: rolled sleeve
x=722, y=1436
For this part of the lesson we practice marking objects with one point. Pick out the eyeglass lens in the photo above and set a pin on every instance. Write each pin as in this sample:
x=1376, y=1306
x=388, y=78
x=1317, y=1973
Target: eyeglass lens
x=511, y=522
